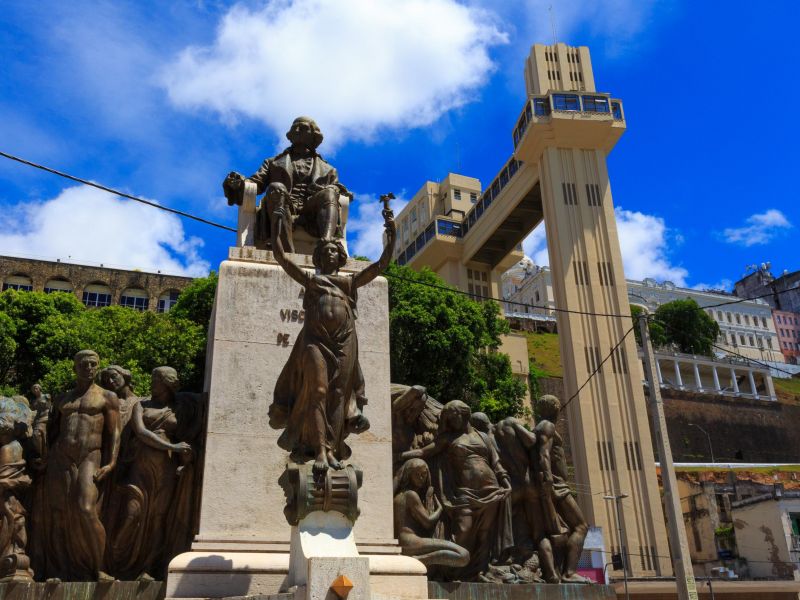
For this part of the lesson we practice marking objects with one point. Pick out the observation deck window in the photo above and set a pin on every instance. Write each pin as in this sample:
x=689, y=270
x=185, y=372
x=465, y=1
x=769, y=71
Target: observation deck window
x=541, y=107
x=448, y=228
x=616, y=110
x=597, y=104
x=566, y=102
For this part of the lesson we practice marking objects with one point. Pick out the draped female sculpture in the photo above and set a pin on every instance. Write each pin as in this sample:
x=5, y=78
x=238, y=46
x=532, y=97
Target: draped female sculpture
x=319, y=397
x=473, y=487
x=143, y=528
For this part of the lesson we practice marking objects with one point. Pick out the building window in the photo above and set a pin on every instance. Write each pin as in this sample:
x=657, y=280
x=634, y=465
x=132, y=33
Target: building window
x=20, y=283
x=57, y=285
x=597, y=104
x=473, y=197
x=541, y=107
x=729, y=317
x=769, y=343
x=457, y=194
x=593, y=194
x=135, y=298
x=97, y=295
x=616, y=110
x=738, y=319
x=167, y=300
x=570, y=193
x=764, y=322
x=581, y=269
x=741, y=339
x=719, y=316
x=747, y=320
x=606, y=274
x=414, y=219
x=569, y=102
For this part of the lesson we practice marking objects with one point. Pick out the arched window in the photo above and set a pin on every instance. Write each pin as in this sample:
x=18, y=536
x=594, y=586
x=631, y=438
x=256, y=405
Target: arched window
x=135, y=298
x=57, y=285
x=167, y=300
x=19, y=282
x=97, y=294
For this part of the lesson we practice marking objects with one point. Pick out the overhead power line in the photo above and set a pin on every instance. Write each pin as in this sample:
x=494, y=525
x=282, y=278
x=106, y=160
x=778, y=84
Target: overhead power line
x=116, y=192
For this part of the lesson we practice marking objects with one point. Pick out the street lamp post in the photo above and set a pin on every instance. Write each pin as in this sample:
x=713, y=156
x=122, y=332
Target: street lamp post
x=710, y=447
x=617, y=498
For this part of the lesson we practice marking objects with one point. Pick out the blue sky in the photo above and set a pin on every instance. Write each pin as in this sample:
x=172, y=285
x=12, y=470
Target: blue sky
x=162, y=99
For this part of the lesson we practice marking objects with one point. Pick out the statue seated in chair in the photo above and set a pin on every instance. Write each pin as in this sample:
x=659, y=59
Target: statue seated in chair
x=303, y=185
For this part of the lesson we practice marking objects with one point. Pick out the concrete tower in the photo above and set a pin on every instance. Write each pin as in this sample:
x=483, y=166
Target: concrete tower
x=470, y=235
x=564, y=134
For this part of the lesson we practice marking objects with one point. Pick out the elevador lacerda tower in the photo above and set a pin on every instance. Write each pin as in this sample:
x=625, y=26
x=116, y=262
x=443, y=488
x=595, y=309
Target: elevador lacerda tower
x=561, y=140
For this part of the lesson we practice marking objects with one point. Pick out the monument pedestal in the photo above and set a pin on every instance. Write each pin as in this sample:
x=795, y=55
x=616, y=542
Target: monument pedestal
x=243, y=544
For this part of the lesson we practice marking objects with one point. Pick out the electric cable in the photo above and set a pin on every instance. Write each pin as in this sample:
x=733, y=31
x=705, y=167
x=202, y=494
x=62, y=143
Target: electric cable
x=116, y=192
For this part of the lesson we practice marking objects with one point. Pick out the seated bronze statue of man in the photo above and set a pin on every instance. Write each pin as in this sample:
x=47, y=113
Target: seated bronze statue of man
x=299, y=182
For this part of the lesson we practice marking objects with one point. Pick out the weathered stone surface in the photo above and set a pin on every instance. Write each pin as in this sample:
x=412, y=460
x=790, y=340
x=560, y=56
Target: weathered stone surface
x=323, y=570
x=498, y=591
x=89, y=590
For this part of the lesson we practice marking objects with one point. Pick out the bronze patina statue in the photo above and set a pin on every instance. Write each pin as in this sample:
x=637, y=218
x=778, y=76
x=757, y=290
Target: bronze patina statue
x=558, y=505
x=473, y=487
x=15, y=423
x=300, y=185
x=140, y=529
x=417, y=511
x=85, y=430
x=319, y=397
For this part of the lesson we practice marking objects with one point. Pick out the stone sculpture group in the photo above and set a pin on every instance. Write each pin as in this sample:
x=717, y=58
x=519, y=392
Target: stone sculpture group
x=99, y=484
x=476, y=501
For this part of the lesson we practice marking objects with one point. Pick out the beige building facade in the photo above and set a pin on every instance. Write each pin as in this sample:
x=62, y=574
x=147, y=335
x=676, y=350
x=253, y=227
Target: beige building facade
x=557, y=173
x=95, y=286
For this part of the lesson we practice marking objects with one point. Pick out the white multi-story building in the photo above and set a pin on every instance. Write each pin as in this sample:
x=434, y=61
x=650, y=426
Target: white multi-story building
x=746, y=327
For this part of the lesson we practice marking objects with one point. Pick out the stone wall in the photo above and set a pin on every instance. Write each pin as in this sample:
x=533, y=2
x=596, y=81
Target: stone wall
x=79, y=276
x=741, y=430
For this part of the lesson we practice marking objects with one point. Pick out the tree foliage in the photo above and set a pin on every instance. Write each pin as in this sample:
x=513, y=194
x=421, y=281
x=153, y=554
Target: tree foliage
x=48, y=329
x=682, y=325
x=448, y=343
x=657, y=334
x=688, y=327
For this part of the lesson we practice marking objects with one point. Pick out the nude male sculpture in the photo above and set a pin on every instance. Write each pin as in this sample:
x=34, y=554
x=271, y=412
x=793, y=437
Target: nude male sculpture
x=85, y=437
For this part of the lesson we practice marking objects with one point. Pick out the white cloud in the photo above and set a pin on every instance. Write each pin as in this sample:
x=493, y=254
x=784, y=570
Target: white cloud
x=355, y=66
x=84, y=225
x=535, y=246
x=760, y=229
x=645, y=252
x=723, y=284
x=643, y=241
x=365, y=225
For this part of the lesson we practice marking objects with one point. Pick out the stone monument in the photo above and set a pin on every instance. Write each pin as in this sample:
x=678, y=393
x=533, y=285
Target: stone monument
x=286, y=351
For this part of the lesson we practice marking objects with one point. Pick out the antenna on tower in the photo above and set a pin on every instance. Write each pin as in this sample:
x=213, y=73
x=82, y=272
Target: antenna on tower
x=553, y=24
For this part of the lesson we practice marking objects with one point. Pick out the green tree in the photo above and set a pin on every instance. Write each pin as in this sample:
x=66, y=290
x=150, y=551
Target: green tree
x=8, y=344
x=687, y=326
x=446, y=342
x=196, y=300
x=657, y=332
x=40, y=333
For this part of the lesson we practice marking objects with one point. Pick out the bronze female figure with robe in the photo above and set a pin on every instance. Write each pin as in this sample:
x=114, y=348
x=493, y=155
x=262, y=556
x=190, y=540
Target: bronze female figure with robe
x=319, y=395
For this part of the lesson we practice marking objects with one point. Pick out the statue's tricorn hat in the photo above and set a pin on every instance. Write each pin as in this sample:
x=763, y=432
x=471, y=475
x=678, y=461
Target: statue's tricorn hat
x=317, y=133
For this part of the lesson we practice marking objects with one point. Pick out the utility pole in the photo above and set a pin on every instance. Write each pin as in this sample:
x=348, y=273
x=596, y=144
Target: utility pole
x=617, y=498
x=681, y=561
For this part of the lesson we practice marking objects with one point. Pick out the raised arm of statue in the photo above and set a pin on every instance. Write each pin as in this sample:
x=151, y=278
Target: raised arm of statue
x=111, y=435
x=376, y=268
x=294, y=271
x=432, y=449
